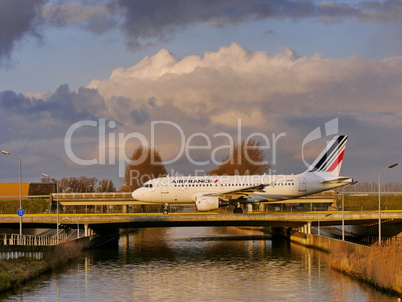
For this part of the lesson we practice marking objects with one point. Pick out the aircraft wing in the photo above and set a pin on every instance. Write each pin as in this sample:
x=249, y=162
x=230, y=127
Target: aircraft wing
x=243, y=192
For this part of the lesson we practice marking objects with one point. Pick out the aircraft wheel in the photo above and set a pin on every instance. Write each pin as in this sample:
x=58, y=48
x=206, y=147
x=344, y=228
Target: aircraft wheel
x=238, y=210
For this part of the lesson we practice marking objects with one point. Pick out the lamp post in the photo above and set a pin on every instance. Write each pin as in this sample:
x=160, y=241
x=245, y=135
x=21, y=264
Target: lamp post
x=57, y=208
x=343, y=215
x=20, y=180
x=379, y=200
x=78, y=225
x=343, y=210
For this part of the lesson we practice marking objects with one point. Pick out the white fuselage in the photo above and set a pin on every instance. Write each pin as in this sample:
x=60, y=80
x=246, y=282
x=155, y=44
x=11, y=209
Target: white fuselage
x=211, y=192
x=274, y=188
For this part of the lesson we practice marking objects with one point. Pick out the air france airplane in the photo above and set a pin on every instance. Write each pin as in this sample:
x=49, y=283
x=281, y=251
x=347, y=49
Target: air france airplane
x=211, y=192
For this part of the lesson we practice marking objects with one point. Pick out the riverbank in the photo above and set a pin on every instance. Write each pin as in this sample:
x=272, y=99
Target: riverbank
x=380, y=266
x=14, y=272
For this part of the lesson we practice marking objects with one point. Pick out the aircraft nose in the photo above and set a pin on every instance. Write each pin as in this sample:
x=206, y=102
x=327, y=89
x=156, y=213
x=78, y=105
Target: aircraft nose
x=136, y=195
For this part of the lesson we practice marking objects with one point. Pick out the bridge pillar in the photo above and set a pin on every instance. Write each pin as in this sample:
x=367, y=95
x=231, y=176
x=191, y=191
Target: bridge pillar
x=85, y=230
x=249, y=207
x=125, y=209
x=306, y=229
x=261, y=207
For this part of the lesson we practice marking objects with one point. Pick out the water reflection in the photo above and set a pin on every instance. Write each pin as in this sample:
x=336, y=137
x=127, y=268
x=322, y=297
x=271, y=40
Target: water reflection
x=199, y=264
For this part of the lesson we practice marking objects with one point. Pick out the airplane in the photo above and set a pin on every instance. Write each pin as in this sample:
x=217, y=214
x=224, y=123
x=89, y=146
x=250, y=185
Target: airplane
x=211, y=192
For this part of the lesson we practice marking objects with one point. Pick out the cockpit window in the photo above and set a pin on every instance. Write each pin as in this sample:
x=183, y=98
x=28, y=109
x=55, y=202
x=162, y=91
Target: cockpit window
x=147, y=186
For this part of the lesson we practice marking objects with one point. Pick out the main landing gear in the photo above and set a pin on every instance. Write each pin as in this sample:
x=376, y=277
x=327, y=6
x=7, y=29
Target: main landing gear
x=238, y=209
x=166, y=209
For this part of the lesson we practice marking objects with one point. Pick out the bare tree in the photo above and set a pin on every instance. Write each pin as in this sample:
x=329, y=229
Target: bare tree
x=106, y=185
x=246, y=158
x=145, y=164
x=373, y=187
x=81, y=184
x=64, y=185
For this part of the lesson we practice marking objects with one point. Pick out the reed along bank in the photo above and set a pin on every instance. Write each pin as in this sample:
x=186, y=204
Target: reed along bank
x=380, y=266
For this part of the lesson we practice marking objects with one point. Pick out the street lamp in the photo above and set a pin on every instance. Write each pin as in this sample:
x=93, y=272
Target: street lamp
x=57, y=208
x=78, y=225
x=379, y=200
x=20, y=179
x=343, y=210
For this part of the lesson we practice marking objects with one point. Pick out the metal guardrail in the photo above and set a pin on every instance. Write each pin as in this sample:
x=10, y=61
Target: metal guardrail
x=25, y=197
x=17, y=239
x=369, y=193
x=16, y=255
x=113, y=195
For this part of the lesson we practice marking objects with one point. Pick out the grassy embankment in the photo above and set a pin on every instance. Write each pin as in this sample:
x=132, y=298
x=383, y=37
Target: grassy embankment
x=17, y=271
x=370, y=203
x=39, y=206
x=381, y=266
x=31, y=206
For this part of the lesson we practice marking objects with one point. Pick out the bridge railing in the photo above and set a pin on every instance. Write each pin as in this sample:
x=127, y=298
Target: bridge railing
x=17, y=239
x=107, y=195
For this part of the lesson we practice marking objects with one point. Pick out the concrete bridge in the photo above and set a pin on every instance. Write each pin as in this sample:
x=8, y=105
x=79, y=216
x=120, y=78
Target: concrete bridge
x=104, y=222
x=125, y=199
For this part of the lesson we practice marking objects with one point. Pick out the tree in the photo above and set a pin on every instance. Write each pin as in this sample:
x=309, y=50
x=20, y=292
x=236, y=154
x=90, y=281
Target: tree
x=246, y=158
x=145, y=164
x=81, y=184
x=124, y=188
x=106, y=185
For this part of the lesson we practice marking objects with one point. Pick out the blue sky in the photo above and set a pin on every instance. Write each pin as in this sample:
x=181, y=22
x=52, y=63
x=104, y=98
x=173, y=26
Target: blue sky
x=279, y=66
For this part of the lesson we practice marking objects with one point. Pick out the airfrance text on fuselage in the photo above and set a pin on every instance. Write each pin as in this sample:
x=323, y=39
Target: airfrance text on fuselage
x=193, y=181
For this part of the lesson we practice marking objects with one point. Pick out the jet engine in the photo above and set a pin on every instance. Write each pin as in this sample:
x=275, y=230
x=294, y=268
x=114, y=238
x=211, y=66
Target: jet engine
x=208, y=203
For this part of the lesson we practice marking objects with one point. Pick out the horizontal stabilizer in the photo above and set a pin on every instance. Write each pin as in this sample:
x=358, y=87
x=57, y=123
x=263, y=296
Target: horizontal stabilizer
x=337, y=180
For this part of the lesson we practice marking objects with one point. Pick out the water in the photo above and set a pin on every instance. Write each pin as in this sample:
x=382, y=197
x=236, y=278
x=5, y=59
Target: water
x=198, y=264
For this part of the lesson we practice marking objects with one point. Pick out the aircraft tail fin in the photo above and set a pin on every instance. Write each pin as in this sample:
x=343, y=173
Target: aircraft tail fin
x=329, y=162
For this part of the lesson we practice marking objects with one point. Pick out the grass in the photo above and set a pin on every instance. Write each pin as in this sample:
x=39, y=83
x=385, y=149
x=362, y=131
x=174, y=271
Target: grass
x=31, y=206
x=369, y=203
x=380, y=266
x=15, y=272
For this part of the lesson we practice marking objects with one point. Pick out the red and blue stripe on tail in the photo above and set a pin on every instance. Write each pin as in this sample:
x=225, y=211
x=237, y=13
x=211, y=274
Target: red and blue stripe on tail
x=330, y=159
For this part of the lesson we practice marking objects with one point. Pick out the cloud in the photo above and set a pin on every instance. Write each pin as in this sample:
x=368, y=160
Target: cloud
x=236, y=78
x=18, y=19
x=49, y=116
x=95, y=17
x=160, y=19
x=224, y=96
x=148, y=22
x=268, y=93
x=153, y=21
x=380, y=11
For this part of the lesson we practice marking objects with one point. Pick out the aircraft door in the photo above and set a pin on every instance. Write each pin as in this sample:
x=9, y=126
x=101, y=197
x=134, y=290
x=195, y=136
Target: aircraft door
x=164, y=188
x=302, y=184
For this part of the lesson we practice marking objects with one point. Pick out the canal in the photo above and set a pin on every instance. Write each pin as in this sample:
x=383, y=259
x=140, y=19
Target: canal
x=198, y=264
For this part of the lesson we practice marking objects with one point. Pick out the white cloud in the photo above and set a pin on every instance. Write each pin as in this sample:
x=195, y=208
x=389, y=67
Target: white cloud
x=271, y=94
x=281, y=93
x=232, y=79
